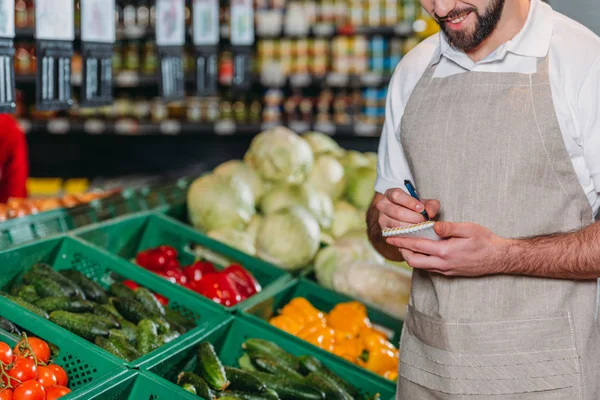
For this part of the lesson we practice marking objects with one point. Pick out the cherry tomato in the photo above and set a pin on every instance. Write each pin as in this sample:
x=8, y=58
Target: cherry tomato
x=6, y=394
x=38, y=346
x=30, y=390
x=23, y=370
x=46, y=377
x=62, y=379
x=56, y=392
x=131, y=284
x=5, y=353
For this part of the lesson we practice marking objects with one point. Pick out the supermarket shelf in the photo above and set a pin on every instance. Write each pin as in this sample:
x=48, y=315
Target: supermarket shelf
x=121, y=80
x=332, y=80
x=130, y=127
x=401, y=30
x=132, y=33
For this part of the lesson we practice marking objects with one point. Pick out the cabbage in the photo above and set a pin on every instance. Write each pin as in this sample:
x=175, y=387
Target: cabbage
x=361, y=187
x=347, y=218
x=253, y=226
x=216, y=202
x=353, y=160
x=284, y=196
x=323, y=144
x=243, y=241
x=327, y=176
x=242, y=170
x=288, y=238
x=280, y=155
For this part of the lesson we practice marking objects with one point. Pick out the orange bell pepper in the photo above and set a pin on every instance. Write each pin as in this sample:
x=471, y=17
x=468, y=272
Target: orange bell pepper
x=350, y=349
x=320, y=335
x=349, y=317
x=380, y=355
x=287, y=324
x=302, y=311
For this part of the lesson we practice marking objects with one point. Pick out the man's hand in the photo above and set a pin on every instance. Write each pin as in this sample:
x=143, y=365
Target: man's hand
x=469, y=250
x=398, y=208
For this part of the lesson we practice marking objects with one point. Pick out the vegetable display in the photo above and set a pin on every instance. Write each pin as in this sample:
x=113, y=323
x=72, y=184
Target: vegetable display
x=27, y=372
x=345, y=331
x=128, y=320
x=227, y=287
x=265, y=372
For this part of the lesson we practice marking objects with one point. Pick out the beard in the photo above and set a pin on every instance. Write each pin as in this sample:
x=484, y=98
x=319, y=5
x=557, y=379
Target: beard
x=484, y=26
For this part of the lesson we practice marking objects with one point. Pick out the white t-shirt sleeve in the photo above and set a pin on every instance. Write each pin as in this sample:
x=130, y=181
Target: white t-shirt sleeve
x=392, y=167
x=589, y=120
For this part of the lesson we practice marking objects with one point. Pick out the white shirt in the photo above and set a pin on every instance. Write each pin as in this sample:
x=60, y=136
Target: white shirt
x=574, y=78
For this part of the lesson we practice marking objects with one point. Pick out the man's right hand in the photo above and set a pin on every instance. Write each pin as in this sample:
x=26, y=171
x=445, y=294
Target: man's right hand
x=398, y=208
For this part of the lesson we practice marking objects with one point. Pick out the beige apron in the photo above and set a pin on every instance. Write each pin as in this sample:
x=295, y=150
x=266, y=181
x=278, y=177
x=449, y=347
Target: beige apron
x=489, y=147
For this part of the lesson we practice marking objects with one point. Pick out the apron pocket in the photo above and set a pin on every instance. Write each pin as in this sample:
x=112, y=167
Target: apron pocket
x=493, y=358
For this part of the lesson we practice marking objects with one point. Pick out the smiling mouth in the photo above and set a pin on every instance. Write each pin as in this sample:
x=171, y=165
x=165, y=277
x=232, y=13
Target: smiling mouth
x=459, y=19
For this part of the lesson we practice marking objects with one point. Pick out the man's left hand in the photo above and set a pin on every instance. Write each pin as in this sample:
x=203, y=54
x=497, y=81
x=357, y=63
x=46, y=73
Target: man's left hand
x=468, y=250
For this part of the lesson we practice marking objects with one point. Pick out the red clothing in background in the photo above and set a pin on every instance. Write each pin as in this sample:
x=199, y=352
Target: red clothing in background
x=14, y=165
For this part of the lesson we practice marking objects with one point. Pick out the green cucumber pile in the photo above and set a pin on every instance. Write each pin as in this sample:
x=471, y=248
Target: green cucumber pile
x=127, y=323
x=266, y=372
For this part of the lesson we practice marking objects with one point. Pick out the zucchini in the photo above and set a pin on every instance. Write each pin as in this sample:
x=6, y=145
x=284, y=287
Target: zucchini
x=244, y=381
x=288, y=389
x=210, y=367
x=260, y=348
x=202, y=388
x=311, y=364
x=92, y=290
x=331, y=390
x=80, y=324
x=281, y=370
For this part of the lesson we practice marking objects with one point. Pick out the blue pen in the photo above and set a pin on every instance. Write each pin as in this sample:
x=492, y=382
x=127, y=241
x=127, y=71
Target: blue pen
x=413, y=193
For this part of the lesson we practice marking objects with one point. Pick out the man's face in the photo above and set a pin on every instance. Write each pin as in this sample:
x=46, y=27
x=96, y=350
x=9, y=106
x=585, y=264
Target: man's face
x=466, y=23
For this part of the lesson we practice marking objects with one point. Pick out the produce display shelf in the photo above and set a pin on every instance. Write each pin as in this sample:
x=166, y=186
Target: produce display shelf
x=34, y=227
x=66, y=252
x=227, y=340
x=324, y=300
x=127, y=236
x=131, y=385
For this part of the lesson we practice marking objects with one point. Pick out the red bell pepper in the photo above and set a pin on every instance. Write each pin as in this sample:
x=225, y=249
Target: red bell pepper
x=219, y=288
x=156, y=259
x=244, y=281
x=198, y=270
x=131, y=284
x=173, y=273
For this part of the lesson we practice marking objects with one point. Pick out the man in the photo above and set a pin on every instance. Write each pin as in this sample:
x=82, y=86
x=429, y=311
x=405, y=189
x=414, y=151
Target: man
x=497, y=122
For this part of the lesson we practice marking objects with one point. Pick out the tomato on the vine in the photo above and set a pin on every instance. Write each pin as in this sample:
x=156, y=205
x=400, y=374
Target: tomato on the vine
x=46, y=377
x=40, y=349
x=62, y=379
x=56, y=392
x=6, y=394
x=5, y=353
x=30, y=390
x=23, y=369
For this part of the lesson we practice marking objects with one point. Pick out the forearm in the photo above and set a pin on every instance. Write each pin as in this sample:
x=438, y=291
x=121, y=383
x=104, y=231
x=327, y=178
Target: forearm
x=374, y=231
x=572, y=255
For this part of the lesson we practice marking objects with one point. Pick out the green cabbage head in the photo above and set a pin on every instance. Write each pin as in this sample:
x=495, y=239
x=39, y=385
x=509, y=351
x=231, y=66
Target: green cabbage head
x=238, y=239
x=361, y=187
x=328, y=176
x=242, y=170
x=347, y=218
x=323, y=144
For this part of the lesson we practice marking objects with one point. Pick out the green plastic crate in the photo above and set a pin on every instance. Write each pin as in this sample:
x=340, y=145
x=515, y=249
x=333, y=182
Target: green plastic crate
x=132, y=385
x=128, y=236
x=324, y=300
x=85, y=366
x=33, y=227
x=103, y=267
x=227, y=340
x=152, y=197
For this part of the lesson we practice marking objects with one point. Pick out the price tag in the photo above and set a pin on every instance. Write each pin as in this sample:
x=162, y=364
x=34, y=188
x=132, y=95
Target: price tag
x=170, y=22
x=362, y=129
x=206, y=22
x=325, y=127
x=323, y=30
x=299, y=126
x=59, y=126
x=371, y=79
x=126, y=127
x=98, y=21
x=300, y=80
x=242, y=23
x=54, y=20
x=94, y=126
x=337, y=79
x=127, y=79
x=170, y=127
x=403, y=29
x=7, y=20
x=225, y=127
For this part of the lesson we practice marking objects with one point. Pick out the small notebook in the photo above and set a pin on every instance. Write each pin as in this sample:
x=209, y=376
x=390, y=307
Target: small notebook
x=423, y=230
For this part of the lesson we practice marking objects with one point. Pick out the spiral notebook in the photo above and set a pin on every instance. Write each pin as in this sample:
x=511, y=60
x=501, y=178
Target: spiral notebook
x=422, y=230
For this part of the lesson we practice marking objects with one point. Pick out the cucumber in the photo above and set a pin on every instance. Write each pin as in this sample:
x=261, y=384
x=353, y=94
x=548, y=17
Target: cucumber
x=19, y=301
x=230, y=398
x=150, y=303
x=125, y=347
x=178, y=321
x=147, y=337
x=120, y=290
x=107, y=310
x=170, y=336
x=278, y=369
x=28, y=293
x=50, y=304
x=331, y=390
x=72, y=289
x=80, y=324
x=131, y=309
x=267, y=395
x=311, y=364
x=288, y=389
x=188, y=387
x=210, y=368
x=48, y=287
x=244, y=381
x=107, y=345
x=121, y=334
x=14, y=289
x=129, y=329
x=260, y=348
x=106, y=322
x=92, y=290
x=202, y=388
x=246, y=363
